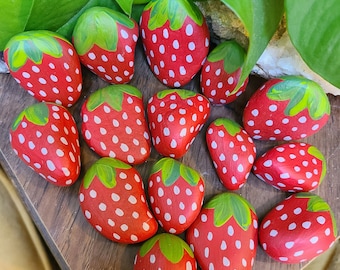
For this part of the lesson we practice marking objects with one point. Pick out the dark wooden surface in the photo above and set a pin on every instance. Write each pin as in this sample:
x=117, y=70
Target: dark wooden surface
x=56, y=212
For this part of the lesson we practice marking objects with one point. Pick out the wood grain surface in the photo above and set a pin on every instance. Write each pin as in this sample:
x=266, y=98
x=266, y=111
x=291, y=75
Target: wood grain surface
x=56, y=212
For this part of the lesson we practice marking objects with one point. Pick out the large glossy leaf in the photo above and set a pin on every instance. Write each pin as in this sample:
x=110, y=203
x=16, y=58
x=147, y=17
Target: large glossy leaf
x=261, y=19
x=67, y=28
x=314, y=28
x=17, y=16
x=13, y=18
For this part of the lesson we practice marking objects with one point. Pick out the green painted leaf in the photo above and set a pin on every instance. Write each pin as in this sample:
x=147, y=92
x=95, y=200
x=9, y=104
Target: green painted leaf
x=105, y=170
x=183, y=93
x=99, y=25
x=231, y=53
x=172, y=169
x=227, y=205
x=113, y=95
x=229, y=125
x=32, y=45
x=317, y=204
x=174, y=11
x=314, y=27
x=261, y=19
x=312, y=150
x=190, y=175
x=302, y=94
x=37, y=114
x=171, y=246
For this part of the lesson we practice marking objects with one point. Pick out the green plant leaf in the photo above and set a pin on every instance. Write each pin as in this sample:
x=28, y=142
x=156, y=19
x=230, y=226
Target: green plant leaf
x=314, y=28
x=302, y=94
x=66, y=29
x=37, y=114
x=261, y=19
x=17, y=16
x=227, y=205
x=174, y=11
x=229, y=125
x=231, y=53
x=126, y=6
x=14, y=16
x=52, y=14
x=190, y=175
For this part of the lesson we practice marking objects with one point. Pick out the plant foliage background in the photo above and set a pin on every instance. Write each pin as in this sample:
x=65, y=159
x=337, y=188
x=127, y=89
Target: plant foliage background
x=313, y=25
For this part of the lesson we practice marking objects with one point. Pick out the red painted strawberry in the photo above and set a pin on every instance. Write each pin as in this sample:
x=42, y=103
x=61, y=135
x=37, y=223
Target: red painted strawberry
x=292, y=167
x=105, y=40
x=165, y=251
x=176, y=194
x=175, y=118
x=46, y=65
x=287, y=108
x=298, y=229
x=113, y=201
x=175, y=38
x=45, y=137
x=224, y=236
x=221, y=73
x=232, y=151
x=114, y=124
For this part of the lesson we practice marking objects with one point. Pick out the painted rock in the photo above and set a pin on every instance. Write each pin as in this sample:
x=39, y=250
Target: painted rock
x=232, y=151
x=221, y=73
x=175, y=118
x=165, y=251
x=45, y=136
x=287, y=108
x=114, y=124
x=176, y=40
x=298, y=229
x=105, y=40
x=46, y=65
x=176, y=194
x=113, y=201
x=292, y=167
x=224, y=235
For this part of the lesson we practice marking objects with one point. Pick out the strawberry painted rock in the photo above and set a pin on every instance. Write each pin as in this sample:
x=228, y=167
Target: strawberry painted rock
x=165, y=251
x=114, y=124
x=232, y=151
x=175, y=118
x=45, y=137
x=46, y=65
x=176, y=194
x=224, y=235
x=298, y=229
x=112, y=199
x=221, y=73
x=105, y=40
x=292, y=167
x=287, y=108
x=175, y=38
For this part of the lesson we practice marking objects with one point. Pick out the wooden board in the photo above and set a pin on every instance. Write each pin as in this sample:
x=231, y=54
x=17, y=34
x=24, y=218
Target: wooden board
x=56, y=212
